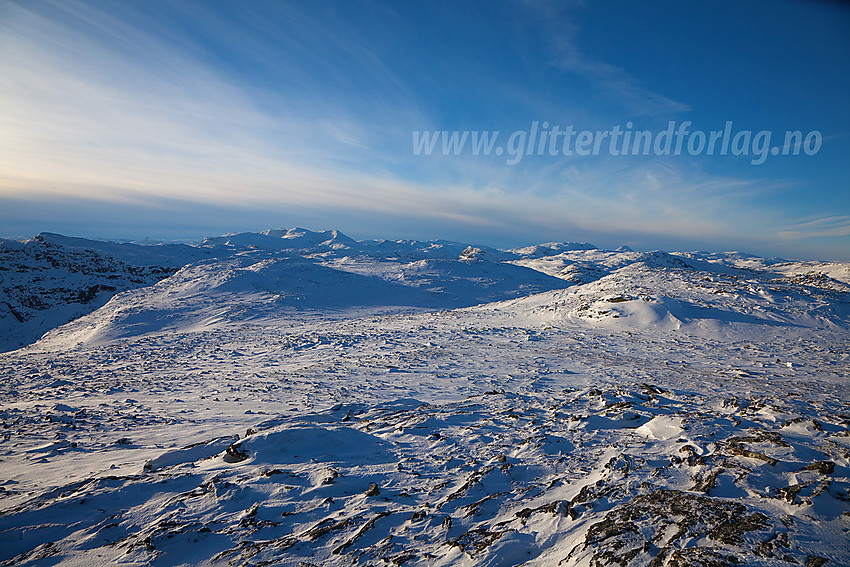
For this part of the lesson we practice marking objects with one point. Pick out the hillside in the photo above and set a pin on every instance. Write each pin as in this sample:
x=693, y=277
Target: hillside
x=300, y=397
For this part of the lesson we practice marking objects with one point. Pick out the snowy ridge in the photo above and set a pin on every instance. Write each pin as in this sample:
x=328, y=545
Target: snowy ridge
x=50, y=280
x=258, y=286
x=161, y=254
x=695, y=301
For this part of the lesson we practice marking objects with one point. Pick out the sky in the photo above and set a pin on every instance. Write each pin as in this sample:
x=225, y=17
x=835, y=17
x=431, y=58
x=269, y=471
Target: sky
x=184, y=119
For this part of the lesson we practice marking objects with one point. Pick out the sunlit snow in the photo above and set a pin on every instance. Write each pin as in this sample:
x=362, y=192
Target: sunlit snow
x=302, y=398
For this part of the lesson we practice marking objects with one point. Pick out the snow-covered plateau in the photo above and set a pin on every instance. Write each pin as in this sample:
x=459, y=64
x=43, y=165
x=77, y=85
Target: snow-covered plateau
x=301, y=398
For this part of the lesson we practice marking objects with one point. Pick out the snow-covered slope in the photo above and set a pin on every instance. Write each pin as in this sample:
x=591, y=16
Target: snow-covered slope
x=50, y=280
x=699, y=301
x=302, y=398
x=135, y=254
x=272, y=287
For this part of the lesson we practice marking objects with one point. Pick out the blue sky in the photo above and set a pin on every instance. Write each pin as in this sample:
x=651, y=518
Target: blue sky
x=180, y=120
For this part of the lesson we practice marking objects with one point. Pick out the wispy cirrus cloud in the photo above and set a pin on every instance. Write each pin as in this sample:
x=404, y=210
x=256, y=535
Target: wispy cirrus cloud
x=93, y=105
x=615, y=83
x=817, y=227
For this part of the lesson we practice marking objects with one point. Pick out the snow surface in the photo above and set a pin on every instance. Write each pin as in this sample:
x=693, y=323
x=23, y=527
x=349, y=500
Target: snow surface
x=301, y=398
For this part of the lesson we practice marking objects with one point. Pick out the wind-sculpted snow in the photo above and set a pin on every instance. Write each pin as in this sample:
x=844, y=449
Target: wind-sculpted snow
x=324, y=401
x=631, y=474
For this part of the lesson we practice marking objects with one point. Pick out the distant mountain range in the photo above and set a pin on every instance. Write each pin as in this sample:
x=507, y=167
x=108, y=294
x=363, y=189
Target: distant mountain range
x=51, y=279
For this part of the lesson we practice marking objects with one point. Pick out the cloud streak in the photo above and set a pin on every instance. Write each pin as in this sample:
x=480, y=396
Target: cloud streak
x=615, y=83
x=835, y=225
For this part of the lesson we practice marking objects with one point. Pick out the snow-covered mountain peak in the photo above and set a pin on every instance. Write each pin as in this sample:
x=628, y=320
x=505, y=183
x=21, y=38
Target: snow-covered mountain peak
x=307, y=238
x=551, y=249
